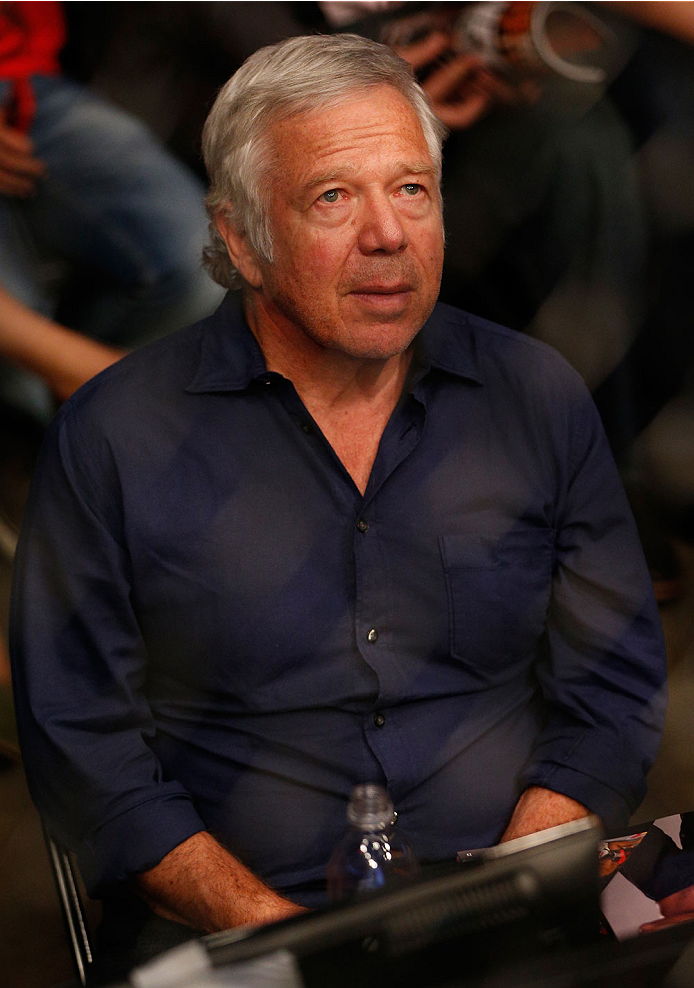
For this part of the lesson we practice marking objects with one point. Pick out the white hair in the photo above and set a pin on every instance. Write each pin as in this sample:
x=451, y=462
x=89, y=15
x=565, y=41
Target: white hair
x=299, y=75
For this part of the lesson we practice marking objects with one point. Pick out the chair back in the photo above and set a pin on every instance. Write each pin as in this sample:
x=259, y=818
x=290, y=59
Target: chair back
x=71, y=904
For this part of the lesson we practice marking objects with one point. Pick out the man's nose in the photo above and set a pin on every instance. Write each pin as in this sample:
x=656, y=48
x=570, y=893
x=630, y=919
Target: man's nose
x=381, y=227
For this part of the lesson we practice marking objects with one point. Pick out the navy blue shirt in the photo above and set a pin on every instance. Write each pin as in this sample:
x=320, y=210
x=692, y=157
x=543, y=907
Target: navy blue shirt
x=212, y=628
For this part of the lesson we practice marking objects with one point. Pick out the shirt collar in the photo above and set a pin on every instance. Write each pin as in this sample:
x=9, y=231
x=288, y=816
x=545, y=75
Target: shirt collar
x=230, y=357
x=448, y=342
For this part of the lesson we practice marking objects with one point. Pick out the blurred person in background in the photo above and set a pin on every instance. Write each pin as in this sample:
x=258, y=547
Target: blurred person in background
x=101, y=230
x=100, y=227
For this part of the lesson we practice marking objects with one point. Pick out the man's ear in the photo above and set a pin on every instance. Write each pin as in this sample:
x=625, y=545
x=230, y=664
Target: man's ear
x=242, y=255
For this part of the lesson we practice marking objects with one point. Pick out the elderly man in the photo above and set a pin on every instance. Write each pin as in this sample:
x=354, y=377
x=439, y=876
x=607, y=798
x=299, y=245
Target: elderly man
x=332, y=534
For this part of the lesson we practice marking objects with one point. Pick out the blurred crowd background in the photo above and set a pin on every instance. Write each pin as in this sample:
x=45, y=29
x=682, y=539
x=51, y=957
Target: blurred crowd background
x=569, y=208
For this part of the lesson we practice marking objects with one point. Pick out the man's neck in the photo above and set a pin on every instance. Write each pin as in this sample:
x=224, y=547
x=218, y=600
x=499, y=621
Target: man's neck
x=351, y=399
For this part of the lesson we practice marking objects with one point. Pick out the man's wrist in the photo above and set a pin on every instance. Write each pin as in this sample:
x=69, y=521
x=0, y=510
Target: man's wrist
x=538, y=809
x=199, y=883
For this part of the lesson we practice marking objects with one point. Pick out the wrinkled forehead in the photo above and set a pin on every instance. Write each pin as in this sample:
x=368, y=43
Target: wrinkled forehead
x=366, y=127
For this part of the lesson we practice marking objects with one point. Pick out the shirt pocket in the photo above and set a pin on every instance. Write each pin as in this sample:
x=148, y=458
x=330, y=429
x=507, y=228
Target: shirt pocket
x=498, y=593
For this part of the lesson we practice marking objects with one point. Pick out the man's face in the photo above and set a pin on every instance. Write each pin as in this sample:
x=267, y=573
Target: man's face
x=358, y=237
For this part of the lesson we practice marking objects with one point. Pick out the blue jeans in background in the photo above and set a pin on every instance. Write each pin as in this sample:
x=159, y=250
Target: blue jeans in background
x=111, y=242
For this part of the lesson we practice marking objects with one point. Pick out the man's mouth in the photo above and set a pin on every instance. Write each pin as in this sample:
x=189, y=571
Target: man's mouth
x=384, y=299
x=399, y=288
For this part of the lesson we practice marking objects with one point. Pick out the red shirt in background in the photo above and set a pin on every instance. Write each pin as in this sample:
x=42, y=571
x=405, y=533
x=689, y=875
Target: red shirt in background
x=31, y=36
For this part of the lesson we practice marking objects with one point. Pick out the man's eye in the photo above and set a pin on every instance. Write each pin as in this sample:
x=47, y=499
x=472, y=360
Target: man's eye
x=332, y=195
x=412, y=188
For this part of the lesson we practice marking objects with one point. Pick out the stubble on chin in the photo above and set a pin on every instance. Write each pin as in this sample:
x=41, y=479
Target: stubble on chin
x=334, y=319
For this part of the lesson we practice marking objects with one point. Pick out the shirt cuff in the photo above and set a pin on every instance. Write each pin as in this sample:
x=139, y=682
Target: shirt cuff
x=612, y=808
x=593, y=769
x=136, y=840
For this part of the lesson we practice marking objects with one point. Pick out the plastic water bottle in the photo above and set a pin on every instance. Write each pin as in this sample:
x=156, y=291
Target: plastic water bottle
x=370, y=855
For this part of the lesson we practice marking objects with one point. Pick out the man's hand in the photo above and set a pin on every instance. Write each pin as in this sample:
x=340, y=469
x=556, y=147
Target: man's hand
x=461, y=88
x=539, y=809
x=676, y=908
x=19, y=168
x=201, y=884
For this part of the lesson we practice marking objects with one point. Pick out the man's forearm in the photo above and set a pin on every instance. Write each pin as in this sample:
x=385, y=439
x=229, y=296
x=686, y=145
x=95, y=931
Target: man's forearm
x=539, y=809
x=201, y=884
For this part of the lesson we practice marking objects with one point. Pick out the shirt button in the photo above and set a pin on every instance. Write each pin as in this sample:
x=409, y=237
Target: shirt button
x=363, y=525
x=379, y=720
x=372, y=635
x=306, y=428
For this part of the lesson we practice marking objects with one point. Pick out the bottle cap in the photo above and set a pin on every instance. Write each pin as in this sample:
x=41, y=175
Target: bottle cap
x=371, y=808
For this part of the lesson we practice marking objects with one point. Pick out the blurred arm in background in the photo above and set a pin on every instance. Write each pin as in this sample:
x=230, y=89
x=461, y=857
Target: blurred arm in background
x=64, y=358
x=672, y=17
